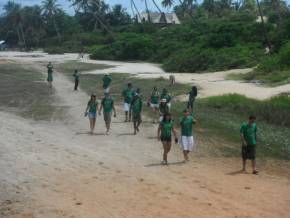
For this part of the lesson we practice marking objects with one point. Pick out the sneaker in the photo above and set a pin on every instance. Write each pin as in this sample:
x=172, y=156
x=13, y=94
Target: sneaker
x=255, y=172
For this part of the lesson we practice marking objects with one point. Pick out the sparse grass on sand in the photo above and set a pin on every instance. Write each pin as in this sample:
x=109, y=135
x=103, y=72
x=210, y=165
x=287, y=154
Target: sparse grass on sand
x=25, y=92
x=218, y=117
x=69, y=67
x=276, y=78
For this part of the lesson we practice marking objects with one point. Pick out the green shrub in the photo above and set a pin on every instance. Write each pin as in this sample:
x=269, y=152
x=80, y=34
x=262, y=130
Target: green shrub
x=275, y=110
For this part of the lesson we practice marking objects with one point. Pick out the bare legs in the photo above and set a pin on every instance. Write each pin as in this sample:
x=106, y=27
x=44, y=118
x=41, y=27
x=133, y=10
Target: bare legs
x=166, y=150
x=254, y=166
x=185, y=154
x=92, y=124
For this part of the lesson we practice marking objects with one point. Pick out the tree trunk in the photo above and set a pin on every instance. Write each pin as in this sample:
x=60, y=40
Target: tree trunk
x=264, y=27
x=157, y=6
x=147, y=11
x=133, y=2
x=56, y=30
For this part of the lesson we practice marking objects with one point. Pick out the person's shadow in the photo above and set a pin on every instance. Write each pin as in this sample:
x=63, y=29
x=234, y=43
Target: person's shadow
x=89, y=133
x=125, y=134
x=237, y=172
x=169, y=164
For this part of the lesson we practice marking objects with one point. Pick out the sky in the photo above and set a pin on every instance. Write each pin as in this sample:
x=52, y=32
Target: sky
x=66, y=4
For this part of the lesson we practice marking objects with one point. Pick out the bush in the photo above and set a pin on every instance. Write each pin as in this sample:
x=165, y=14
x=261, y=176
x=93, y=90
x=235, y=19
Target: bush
x=275, y=110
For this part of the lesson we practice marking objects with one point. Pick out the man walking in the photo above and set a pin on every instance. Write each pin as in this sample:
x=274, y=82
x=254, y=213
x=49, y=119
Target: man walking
x=248, y=133
x=76, y=75
x=128, y=95
x=191, y=98
x=107, y=79
x=107, y=106
x=136, y=110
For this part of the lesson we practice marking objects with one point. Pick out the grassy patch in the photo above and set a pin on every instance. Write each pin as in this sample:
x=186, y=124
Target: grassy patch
x=69, y=67
x=25, y=92
x=276, y=78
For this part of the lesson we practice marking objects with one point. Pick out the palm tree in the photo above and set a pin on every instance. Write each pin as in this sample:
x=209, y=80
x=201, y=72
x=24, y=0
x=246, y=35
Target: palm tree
x=167, y=3
x=158, y=8
x=133, y=6
x=263, y=25
x=147, y=11
x=14, y=18
x=50, y=9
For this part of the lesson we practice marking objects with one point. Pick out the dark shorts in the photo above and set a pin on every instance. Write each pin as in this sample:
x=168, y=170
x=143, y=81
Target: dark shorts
x=249, y=152
x=190, y=104
x=166, y=139
x=136, y=117
x=107, y=117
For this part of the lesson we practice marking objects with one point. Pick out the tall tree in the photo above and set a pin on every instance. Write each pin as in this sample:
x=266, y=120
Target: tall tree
x=51, y=9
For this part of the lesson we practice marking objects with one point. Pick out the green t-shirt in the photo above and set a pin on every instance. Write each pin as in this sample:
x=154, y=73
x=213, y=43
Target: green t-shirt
x=163, y=108
x=186, y=124
x=166, y=128
x=249, y=133
x=137, y=105
x=106, y=81
x=49, y=68
x=76, y=76
x=166, y=96
x=108, y=104
x=93, y=106
x=155, y=97
x=128, y=95
x=192, y=95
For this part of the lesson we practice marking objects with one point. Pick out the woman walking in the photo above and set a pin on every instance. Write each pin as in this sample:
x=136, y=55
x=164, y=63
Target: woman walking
x=91, y=112
x=164, y=134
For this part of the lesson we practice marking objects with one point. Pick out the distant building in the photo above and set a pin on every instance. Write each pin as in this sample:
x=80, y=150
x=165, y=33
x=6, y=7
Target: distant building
x=159, y=18
x=2, y=45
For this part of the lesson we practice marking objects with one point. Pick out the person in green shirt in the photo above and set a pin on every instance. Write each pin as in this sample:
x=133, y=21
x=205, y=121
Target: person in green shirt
x=153, y=102
x=187, y=140
x=76, y=75
x=167, y=96
x=191, y=98
x=136, y=110
x=164, y=134
x=107, y=106
x=91, y=112
x=248, y=134
x=163, y=108
x=107, y=79
x=49, y=74
x=128, y=96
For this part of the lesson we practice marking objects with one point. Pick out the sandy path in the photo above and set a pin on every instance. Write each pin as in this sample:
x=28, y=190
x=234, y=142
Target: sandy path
x=211, y=84
x=54, y=169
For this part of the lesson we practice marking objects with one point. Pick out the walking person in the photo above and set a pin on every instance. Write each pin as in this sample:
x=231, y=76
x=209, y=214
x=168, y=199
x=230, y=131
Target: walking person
x=107, y=106
x=107, y=79
x=49, y=74
x=76, y=75
x=136, y=110
x=191, y=98
x=167, y=96
x=163, y=109
x=187, y=141
x=91, y=112
x=128, y=96
x=248, y=134
x=153, y=101
x=164, y=134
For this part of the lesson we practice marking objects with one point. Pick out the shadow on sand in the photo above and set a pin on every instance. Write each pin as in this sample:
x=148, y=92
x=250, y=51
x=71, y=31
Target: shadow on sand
x=236, y=173
x=125, y=134
x=89, y=133
x=169, y=164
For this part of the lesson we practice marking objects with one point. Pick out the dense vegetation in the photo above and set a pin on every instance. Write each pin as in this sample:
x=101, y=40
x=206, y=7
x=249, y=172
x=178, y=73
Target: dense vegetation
x=214, y=35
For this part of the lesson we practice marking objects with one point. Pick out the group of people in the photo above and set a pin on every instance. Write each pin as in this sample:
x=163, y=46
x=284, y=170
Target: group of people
x=160, y=103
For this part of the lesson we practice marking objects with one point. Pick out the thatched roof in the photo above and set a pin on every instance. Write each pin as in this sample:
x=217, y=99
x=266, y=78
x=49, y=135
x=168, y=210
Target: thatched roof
x=159, y=18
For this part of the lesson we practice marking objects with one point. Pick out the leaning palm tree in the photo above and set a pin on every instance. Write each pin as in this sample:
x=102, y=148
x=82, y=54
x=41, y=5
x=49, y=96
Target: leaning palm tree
x=50, y=9
x=167, y=3
x=156, y=5
x=263, y=26
x=133, y=6
x=147, y=10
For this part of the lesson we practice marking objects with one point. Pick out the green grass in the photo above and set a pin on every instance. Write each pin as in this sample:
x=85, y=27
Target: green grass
x=25, y=92
x=276, y=78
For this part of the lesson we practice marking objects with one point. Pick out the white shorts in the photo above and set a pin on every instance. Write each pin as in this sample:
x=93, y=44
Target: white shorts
x=187, y=143
x=169, y=105
x=107, y=90
x=126, y=107
x=154, y=105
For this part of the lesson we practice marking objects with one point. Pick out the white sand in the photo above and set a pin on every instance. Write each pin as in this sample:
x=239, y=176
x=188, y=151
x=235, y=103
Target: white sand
x=55, y=169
